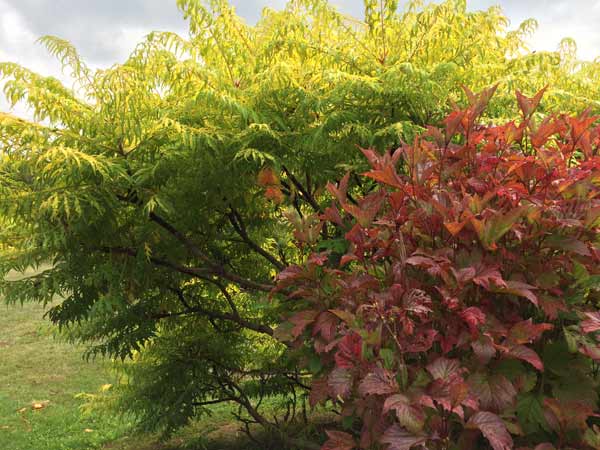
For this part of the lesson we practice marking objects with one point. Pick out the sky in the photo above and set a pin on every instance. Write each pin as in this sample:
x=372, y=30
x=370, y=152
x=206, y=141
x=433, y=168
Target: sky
x=106, y=31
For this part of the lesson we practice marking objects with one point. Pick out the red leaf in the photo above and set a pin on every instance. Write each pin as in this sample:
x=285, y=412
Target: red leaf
x=552, y=306
x=349, y=351
x=401, y=439
x=591, y=351
x=378, y=382
x=492, y=428
x=529, y=105
x=301, y=320
x=527, y=354
x=319, y=391
x=474, y=317
x=387, y=176
x=484, y=349
x=592, y=323
x=488, y=276
x=340, y=382
x=367, y=208
x=547, y=128
x=326, y=325
x=338, y=440
x=344, y=315
x=444, y=368
x=526, y=331
x=347, y=258
x=494, y=392
x=332, y=214
x=339, y=191
x=274, y=193
x=410, y=416
x=521, y=289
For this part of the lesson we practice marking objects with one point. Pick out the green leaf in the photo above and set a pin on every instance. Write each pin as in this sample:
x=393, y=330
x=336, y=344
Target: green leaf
x=530, y=412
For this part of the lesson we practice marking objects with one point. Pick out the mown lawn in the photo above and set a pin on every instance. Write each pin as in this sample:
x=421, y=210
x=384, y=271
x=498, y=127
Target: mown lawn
x=40, y=379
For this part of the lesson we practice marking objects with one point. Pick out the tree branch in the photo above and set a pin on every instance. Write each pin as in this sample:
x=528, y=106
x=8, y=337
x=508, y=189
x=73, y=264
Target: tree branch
x=305, y=193
x=216, y=315
x=213, y=402
x=198, y=272
x=236, y=221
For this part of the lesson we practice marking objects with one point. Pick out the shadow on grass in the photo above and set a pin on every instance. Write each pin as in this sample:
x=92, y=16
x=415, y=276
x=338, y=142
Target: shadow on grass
x=226, y=434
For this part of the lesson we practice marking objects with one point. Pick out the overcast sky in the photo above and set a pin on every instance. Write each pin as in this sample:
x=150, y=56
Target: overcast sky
x=106, y=31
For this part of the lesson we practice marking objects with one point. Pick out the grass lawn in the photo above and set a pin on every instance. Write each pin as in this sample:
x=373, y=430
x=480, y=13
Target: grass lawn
x=40, y=377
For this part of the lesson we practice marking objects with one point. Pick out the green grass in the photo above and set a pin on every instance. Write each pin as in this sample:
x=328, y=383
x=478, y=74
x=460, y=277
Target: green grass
x=35, y=367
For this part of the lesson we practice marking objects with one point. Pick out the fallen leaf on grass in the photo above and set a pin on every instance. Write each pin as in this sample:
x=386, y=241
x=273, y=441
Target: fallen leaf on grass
x=88, y=430
x=39, y=405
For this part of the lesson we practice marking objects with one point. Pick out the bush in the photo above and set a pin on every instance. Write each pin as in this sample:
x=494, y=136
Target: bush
x=464, y=310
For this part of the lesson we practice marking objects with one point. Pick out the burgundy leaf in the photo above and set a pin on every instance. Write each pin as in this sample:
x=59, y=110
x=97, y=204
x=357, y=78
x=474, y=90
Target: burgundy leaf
x=493, y=429
x=494, y=392
x=326, y=325
x=340, y=382
x=489, y=277
x=443, y=368
x=301, y=320
x=484, y=349
x=474, y=317
x=527, y=354
x=349, y=351
x=521, y=289
x=526, y=331
x=592, y=323
x=400, y=439
x=319, y=391
x=411, y=416
x=379, y=382
x=417, y=301
x=338, y=440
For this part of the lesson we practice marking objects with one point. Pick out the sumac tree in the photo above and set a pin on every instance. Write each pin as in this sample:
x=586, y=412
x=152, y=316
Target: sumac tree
x=464, y=312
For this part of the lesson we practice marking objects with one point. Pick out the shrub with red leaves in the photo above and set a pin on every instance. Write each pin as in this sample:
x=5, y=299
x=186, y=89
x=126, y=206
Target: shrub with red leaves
x=463, y=313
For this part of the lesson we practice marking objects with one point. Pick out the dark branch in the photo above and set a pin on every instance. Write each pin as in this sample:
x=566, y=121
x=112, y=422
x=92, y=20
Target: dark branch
x=193, y=248
x=305, y=193
x=213, y=402
x=198, y=272
x=239, y=226
x=214, y=315
x=213, y=268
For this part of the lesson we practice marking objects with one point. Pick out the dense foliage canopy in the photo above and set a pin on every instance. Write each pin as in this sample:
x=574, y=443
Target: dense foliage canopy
x=162, y=189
